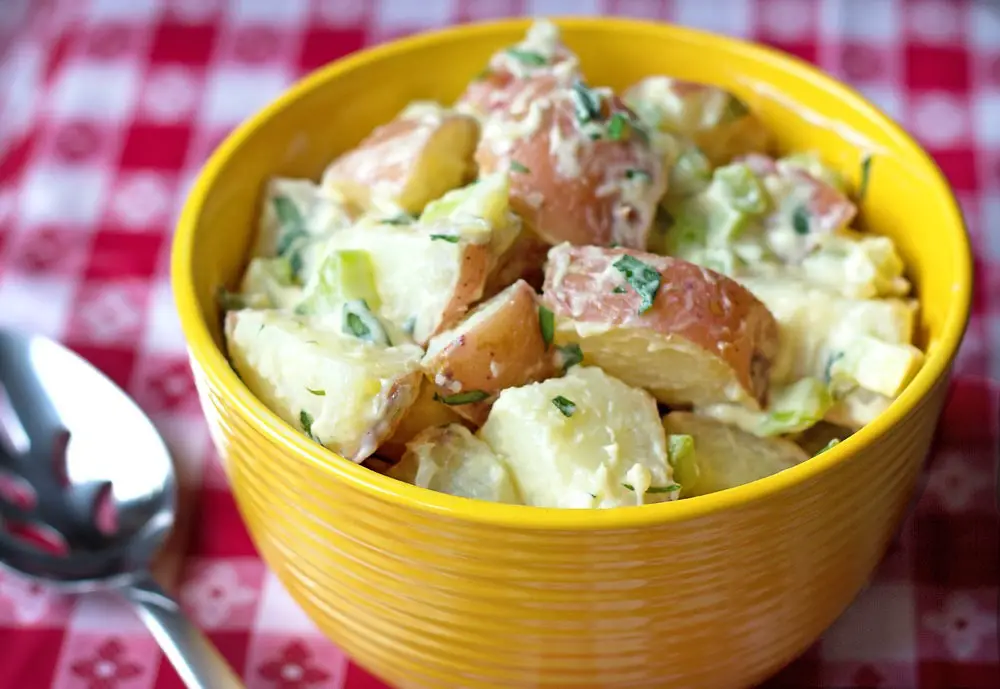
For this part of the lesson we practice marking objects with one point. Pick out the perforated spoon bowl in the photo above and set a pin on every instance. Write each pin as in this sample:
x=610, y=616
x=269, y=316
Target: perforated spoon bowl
x=87, y=493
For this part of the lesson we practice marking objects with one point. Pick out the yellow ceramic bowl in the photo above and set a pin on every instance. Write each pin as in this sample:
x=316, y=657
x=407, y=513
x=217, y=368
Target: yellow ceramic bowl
x=428, y=590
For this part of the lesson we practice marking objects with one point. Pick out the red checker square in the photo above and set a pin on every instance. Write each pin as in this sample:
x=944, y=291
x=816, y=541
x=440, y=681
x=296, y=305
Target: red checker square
x=158, y=147
x=15, y=155
x=863, y=62
x=164, y=383
x=187, y=43
x=959, y=166
x=952, y=674
x=30, y=656
x=48, y=250
x=956, y=550
x=356, y=677
x=124, y=255
x=79, y=141
x=958, y=624
x=57, y=50
x=111, y=40
x=228, y=536
x=807, y=50
x=116, y=362
x=233, y=646
x=320, y=46
x=804, y=671
x=939, y=68
x=970, y=413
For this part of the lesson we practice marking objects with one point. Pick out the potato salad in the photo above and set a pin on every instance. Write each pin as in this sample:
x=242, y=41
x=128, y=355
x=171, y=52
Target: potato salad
x=551, y=294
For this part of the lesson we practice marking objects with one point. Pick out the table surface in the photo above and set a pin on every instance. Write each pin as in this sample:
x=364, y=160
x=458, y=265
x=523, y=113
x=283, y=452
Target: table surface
x=110, y=106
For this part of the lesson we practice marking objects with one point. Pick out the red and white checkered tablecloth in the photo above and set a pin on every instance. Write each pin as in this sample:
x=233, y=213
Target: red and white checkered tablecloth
x=108, y=107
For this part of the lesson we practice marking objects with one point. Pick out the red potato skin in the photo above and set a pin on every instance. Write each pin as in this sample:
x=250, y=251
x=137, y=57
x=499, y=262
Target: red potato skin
x=708, y=309
x=524, y=260
x=506, y=350
x=373, y=162
x=497, y=87
x=476, y=261
x=586, y=203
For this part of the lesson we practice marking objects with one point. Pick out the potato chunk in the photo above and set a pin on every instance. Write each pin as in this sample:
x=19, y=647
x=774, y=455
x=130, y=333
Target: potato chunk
x=582, y=166
x=424, y=152
x=452, y=460
x=425, y=412
x=725, y=456
x=686, y=334
x=344, y=393
x=583, y=440
x=717, y=121
x=425, y=279
x=499, y=345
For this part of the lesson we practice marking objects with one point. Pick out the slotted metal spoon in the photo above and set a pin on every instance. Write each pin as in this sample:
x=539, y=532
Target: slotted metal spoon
x=87, y=494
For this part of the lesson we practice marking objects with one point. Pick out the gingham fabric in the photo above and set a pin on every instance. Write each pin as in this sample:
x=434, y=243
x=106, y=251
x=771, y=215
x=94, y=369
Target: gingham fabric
x=110, y=106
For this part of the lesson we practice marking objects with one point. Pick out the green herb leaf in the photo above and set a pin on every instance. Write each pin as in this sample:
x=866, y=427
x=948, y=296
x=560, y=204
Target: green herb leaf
x=826, y=447
x=619, y=290
x=828, y=369
x=288, y=213
x=586, y=102
x=571, y=355
x=566, y=407
x=735, y=109
x=409, y=325
x=618, y=127
x=446, y=238
x=230, y=301
x=359, y=321
x=292, y=233
x=528, y=57
x=518, y=167
x=318, y=393
x=866, y=172
x=356, y=326
x=547, y=324
x=306, y=419
x=466, y=397
x=800, y=220
x=400, y=219
x=642, y=277
x=641, y=175
x=673, y=488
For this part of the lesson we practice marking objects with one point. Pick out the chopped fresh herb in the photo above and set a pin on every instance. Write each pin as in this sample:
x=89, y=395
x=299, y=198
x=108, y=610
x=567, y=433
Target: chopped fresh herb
x=230, y=301
x=295, y=262
x=528, y=57
x=518, y=167
x=547, y=324
x=571, y=355
x=466, y=397
x=673, y=488
x=828, y=369
x=288, y=214
x=446, y=238
x=318, y=393
x=866, y=172
x=800, y=220
x=400, y=219
x=594, y=136
x=291, y=233
x=642, y=277
x=409, y=325
x=641, y=175
x=620, y=289
x=356, y=326
x=306, y=419
x=826, y=447
x=735, y=109
x=566, y=407
x=618, y=127
x=586, y=102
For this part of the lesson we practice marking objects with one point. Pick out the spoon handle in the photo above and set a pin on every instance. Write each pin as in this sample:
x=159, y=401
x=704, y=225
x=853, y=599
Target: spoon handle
x=193, y=656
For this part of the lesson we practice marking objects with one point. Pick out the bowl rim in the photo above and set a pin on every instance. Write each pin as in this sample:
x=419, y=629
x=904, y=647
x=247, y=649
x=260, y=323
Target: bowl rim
x=215, y=366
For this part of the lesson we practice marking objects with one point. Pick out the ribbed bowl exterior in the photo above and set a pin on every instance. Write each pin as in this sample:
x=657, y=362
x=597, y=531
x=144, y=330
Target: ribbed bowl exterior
x=717, y=592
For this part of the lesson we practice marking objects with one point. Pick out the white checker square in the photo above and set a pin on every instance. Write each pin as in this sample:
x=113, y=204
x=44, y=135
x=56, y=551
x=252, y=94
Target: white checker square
x=234, y=93
x=163, y=330
x=879, y=626
x=394, y=15
x=35, y=304
x=731, y=17
x=643, y=9
x=870, y=20
x=106, y=91
x=136, y=10
x=983, y=29
x=552, y=8
x=989, y=229
x=105, y=613
x=63, y=194
x=993, y=343
x=277, y=611
x=886, y=98
x=271, y=12
x=21, y=77
x=986, y=115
